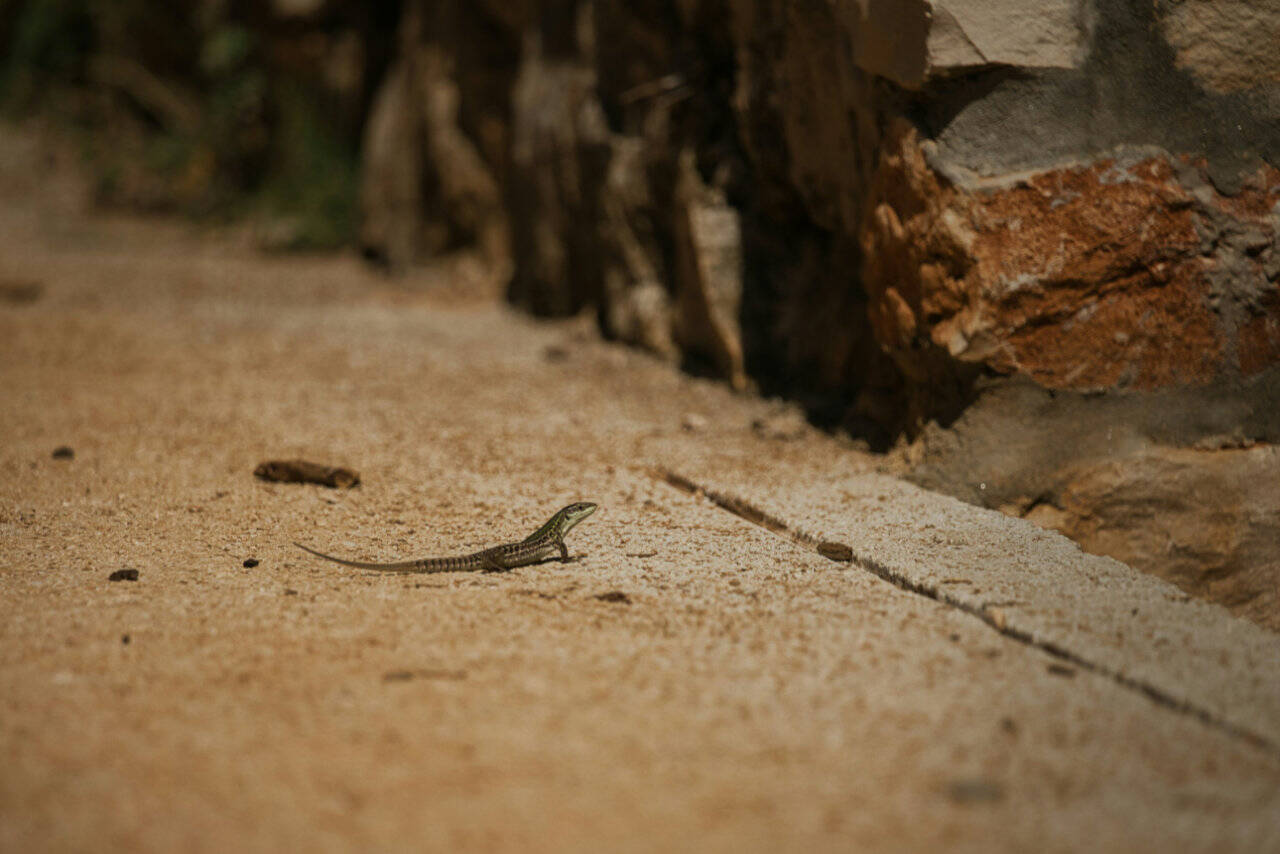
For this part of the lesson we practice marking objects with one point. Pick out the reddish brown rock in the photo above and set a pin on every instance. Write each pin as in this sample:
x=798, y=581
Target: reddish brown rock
x=1091, y=277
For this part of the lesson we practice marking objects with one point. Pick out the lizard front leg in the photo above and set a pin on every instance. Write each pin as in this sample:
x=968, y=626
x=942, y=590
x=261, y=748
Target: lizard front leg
x=564, y=550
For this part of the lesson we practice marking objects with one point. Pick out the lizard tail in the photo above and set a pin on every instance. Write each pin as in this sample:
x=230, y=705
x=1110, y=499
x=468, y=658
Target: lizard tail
x=404, y=566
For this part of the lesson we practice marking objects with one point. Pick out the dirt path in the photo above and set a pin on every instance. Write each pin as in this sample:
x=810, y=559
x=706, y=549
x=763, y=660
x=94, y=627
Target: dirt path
x=690, y=680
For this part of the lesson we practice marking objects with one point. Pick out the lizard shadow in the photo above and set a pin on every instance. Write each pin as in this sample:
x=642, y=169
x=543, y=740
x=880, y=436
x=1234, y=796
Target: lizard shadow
x=385, y=572
x=574, y=559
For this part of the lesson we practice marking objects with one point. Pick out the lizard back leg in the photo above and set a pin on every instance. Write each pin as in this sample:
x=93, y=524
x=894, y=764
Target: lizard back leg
x=493, y=561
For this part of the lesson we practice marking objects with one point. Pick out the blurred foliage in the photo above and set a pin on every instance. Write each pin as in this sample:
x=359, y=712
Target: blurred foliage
x=191, y=108
x=42, y=41
x=314, y=182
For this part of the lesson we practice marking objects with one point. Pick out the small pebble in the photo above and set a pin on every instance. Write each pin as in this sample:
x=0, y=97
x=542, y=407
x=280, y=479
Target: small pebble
x=124, y=639
x=693, y=422
x=303, y=471
x=250, y=563
x=835, y=551
x=615, y=596
x=125, y=574
x=63, y=452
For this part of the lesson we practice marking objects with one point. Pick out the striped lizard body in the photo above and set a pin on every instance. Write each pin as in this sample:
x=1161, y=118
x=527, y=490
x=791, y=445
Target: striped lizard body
x=542, y=544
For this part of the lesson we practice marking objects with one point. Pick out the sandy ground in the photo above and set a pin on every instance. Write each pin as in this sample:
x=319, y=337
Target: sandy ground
x=690, y=680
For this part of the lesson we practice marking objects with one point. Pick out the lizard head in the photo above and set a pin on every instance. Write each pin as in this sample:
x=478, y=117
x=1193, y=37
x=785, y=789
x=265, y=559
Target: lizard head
x=575, y=513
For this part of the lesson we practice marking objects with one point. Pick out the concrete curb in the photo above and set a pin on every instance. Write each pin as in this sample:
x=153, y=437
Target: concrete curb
x=1029, y=584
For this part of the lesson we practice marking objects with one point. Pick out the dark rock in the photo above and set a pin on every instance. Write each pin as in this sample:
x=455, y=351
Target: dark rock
x=838, y=552
x=125, y=574
x=301, y=471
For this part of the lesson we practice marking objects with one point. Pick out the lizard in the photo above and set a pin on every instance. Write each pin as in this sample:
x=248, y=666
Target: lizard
x=535, y=548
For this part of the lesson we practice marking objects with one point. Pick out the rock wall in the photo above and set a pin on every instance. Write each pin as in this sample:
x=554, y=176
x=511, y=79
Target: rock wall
x=1036, y=248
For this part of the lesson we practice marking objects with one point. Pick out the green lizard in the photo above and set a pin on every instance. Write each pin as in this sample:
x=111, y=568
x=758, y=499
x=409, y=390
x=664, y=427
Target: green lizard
x=535, y=548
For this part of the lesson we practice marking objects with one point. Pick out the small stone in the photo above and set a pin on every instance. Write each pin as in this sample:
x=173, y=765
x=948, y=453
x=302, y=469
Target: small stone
x=250, y=563
x=693, y=422
x=289, y=591
x=125, y=639
x=63, y=452
x=303, y=471
x=835, y=551
x=614, y=596
x=126, y=574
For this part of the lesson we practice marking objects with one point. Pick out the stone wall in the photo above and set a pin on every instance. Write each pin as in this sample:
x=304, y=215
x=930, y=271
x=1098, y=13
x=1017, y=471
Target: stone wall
x=1034, y=246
